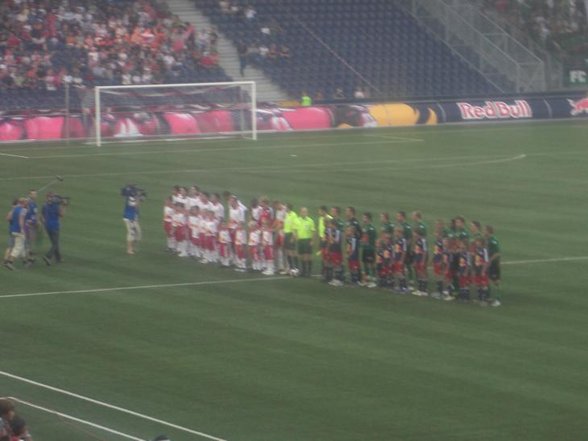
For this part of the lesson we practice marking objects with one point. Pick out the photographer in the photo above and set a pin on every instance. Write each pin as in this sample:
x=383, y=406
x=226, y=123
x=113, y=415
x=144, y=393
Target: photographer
x=133, y=197
x=53, y=211
x=16, y=221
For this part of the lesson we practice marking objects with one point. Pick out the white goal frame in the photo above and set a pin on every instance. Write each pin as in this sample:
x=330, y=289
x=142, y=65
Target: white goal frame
x=250, y=84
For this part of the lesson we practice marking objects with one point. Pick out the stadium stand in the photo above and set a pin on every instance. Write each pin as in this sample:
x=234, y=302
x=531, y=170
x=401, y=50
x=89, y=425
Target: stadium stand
x=44, y=43
x=333, y=47
x=560, y=26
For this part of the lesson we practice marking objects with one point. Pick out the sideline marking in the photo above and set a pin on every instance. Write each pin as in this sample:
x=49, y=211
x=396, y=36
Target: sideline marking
x=303, y=167
x=554, y=259
x=10, y=155
x=132, y=288
x=231, y=281
x=77, y=420
x=110, y=406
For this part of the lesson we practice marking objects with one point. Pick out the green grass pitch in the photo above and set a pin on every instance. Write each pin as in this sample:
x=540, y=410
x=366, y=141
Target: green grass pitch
x=244, y=358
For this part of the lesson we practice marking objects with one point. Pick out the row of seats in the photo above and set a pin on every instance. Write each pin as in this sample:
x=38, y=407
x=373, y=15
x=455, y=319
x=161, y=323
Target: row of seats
x=348, y=44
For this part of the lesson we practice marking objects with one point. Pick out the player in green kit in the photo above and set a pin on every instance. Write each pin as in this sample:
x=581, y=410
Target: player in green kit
x=368, y=251
x=493, y=247
x=304, y=230
x=407, y=234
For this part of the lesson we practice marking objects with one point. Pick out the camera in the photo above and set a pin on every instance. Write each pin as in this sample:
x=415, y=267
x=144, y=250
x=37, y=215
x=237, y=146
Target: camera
x=131, y=190
x=61, y=200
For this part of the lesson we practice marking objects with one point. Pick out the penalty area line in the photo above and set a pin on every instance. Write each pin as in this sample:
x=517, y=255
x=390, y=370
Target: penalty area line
x=77, y=420
x=553, y=259
x=139, y=287
x=110, y=406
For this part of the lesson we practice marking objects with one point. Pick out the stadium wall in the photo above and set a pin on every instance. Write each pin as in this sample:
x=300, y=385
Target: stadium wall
x=36, y=126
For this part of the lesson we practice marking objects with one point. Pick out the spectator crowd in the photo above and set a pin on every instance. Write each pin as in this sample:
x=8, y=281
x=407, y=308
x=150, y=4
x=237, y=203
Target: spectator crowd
x=44, y=43
x=559, y=25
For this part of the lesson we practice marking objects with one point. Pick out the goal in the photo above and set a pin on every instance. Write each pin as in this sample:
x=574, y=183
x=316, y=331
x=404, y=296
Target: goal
x=172, y=111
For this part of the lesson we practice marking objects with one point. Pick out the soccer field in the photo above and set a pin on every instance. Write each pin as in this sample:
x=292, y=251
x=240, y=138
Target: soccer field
x=152, y=343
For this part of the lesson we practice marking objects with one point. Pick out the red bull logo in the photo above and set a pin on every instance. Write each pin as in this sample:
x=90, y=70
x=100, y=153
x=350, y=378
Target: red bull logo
x=579, y=107
x=495, y=110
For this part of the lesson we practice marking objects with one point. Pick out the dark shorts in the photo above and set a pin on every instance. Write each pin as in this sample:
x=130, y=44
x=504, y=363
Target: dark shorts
x=408, y=257
x=494, y=271
x=368, y=256
x=289, y=242
x=304, y=246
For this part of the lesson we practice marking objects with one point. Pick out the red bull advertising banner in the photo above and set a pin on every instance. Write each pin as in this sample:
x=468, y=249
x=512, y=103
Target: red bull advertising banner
x=126, y=124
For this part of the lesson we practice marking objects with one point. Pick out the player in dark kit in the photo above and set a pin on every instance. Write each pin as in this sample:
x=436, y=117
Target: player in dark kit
x=464, y=266
x=399, y=251
x=420, y=254
x=384, y=260
x=352, y=245
x=494, y=264
x=480, y=270
x=335, y=238
x=407, y=234
x=368, y=251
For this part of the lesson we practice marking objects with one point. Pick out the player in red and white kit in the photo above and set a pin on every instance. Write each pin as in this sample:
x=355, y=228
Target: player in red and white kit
x=168, y=227
x=210, y=232
x=180, y=225
x=280, y=215
x=267, y=243
x=240, y=242
x=480, y=270
x=194, y=229
x=224, y=245
x=237, y=217
x=253, y=244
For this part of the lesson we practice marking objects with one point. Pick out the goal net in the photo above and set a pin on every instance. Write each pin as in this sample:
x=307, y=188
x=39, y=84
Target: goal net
x=171, y=111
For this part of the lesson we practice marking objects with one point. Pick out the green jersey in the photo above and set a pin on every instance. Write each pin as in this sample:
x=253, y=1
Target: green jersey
x=493, y=246
x=462, y=234
x=421, y=227
x=368, y=237
x=407, y=231
x=387, y=228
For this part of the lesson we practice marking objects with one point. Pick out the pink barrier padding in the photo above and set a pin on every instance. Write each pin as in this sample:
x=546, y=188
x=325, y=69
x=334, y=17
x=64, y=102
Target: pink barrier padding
x=76, y=128
x=273, y=120
x=308, y=118
x=44, y=127
x=215, y=121
x=11, y=130
x=181, y=123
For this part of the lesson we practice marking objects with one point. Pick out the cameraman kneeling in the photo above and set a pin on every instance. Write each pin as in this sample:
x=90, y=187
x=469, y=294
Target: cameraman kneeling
x=53, y=211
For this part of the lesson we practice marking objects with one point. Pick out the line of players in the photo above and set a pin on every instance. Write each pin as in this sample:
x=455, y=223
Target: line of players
x=273, y=238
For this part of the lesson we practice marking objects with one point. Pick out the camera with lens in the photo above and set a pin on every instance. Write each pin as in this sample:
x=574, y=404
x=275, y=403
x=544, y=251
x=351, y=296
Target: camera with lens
x=131, y=190
x=60, y=200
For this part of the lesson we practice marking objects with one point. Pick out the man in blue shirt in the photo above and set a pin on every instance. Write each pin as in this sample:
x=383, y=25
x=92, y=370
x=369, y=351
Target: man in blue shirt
x=31, y=225
x=16, y=225
x=53, y=211
x=131, y=219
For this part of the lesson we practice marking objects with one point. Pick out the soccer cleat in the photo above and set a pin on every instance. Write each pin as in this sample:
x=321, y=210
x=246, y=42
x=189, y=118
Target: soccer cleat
x=448, y=298
x=495, y=303
x=371, y=285
x=8, y=265
x=267, y=273
x=335, y=282
x=437, y=296
x=283, y=272
x=417, y=293
x=47, y=260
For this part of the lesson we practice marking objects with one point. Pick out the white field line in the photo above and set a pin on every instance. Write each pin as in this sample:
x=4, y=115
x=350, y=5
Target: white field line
x=232, y=281
x=139, y=287
x=280, y=168
x=553, y=259
x=10, y=155
x=77, y=420
x=110, y=406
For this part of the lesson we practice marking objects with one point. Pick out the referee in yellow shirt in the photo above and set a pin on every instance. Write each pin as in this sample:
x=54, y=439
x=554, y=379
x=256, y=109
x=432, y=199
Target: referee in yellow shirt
x=323, y=218
x=290, y=221
x=304, y=231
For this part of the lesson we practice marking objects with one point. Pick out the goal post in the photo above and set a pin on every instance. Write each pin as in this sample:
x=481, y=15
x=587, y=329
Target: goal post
x=172, y=111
